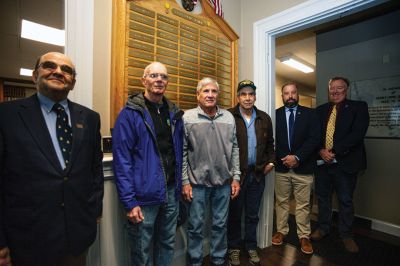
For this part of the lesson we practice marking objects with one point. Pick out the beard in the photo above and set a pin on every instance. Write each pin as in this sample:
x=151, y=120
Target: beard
x=291, y=104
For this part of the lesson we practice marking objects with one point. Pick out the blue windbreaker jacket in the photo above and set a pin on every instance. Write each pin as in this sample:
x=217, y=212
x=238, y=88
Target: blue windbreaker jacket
x=138, y=169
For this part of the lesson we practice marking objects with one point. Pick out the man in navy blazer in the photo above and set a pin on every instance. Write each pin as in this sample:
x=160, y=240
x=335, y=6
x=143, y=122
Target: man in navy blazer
x=49, y=206
x=342, y=156
x=297, y=140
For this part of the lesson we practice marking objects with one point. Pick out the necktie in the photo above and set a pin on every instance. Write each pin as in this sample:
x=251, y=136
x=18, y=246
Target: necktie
x=291, y=124
x=63, y=131
x=330, y=129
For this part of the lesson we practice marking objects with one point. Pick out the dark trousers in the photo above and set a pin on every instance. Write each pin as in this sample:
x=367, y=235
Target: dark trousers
x=248, y=199
x=330, y=178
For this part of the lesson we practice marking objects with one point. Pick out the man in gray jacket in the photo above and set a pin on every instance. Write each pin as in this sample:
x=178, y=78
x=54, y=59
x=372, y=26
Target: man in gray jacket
x=211, y=172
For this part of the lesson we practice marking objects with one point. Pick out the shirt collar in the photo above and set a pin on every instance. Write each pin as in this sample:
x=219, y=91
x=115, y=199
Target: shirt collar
x=47, y=103
x=293, y=108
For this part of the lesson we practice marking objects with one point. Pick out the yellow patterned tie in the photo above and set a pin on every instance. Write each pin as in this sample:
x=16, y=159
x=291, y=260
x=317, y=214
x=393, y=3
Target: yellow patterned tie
x=330, y=129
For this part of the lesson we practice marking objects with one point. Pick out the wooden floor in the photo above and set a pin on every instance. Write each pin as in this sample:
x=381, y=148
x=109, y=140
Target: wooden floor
x=285, y=255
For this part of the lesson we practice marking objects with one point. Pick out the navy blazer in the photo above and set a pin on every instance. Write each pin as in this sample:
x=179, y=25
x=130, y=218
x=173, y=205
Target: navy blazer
x=43, y=207
x=306, y=139
x=352, y=123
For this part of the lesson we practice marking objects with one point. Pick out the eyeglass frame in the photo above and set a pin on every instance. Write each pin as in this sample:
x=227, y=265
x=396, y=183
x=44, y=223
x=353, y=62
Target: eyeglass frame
x=55, y=66
x=164, y=77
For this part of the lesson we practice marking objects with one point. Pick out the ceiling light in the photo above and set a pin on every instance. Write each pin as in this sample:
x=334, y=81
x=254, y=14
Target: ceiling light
x=297, y=63
x=41, y=33
x=25, y=72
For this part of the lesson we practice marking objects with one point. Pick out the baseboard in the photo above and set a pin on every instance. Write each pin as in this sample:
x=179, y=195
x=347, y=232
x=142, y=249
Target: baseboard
x=388, y=228
x=366, y=222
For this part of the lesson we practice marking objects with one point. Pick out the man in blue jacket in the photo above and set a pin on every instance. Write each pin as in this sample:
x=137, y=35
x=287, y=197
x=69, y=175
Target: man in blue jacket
x=147, y=155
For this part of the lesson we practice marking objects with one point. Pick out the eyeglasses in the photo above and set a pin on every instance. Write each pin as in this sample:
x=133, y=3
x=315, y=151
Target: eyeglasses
x=51, y=66
x=156, y=75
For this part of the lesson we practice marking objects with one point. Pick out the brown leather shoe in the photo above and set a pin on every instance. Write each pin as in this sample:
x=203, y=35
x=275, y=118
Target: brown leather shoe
x=277, y=239
x=350, y=245
x=306, y=246
x=317, y=235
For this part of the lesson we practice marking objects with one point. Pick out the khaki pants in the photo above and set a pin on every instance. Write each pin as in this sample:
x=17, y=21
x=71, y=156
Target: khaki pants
x=301, y=186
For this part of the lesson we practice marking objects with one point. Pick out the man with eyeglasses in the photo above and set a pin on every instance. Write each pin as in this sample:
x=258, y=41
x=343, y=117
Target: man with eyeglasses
x=51, y=174
x=256, y=143
x=147, y=155
x=211, y=172
x=344, y=124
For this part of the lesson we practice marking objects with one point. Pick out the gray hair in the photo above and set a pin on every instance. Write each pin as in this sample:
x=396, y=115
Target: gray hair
x=147, y=68
x=205, y=81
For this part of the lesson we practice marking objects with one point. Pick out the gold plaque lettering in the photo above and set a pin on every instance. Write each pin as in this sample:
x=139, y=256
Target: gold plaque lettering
x=223, y=54
x=207, y=48
x=171, y=95
x=167, y=44
x=224, y=61
x=189, y=35
x=188, y=74
x=208, y=35
x=170, y=37
x=207, y=71
x=224, y=41
x=137, y=63
x=223, y=74
x=141, y=28
x=189, y=43
x=167, y=61
x=188, y=50
x=142, y=10
x=187, y=98
x=189, y=28
x=140, y=54
x=135, y=72
x=141, y=37
x=187, y=17
x=188, y=82
x=208, y=42
x=134, y=82
x=142, y=19
x=167, y=20
x=170, y=53
x=207, y=56
x=167, y=27
x=188, y=90
x=207, y=63
x=223, y=68
x=141, y=46
x=188, y=58
x=188, y=66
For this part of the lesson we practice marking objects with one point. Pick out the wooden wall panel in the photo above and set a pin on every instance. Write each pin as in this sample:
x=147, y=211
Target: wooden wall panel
x=192, y=46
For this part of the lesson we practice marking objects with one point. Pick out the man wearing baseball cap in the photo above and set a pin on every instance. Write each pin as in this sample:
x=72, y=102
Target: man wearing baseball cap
x=256, y=144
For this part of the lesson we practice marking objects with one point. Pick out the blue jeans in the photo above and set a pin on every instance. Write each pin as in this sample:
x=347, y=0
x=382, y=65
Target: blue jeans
x=152, y=241
x=331, y=178
x=249, y=199
x=218, y=199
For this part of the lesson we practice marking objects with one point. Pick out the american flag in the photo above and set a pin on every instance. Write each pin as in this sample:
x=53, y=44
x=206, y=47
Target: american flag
x=217, y=7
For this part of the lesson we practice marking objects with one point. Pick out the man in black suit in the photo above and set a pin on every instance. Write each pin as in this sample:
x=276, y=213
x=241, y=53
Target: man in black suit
x=344, y=124
x=297, y=140
x=51, y=179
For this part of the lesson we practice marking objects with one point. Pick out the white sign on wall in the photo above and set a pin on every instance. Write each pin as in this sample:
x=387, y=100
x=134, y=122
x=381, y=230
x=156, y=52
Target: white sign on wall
x=383, y=98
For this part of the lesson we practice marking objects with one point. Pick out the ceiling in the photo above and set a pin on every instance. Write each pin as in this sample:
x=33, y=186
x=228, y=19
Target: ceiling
x=16, y=52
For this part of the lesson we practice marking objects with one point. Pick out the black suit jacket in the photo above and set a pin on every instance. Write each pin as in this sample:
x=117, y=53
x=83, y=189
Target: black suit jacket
x=44, y=209
x=306, y=139
x=352, y=122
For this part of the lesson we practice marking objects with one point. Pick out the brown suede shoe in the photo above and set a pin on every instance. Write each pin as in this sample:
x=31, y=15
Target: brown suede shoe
x=350, y=245
x=306, y=246
x=317, y=235
x=277, y=239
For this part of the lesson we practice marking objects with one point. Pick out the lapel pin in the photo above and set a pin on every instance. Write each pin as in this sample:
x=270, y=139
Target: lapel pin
x=79, y=125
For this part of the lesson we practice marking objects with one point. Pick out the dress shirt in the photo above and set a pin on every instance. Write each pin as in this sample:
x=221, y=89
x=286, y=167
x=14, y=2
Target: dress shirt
x=251, y=138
